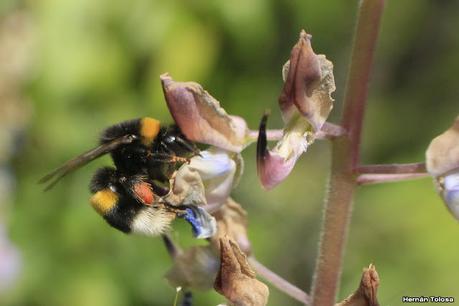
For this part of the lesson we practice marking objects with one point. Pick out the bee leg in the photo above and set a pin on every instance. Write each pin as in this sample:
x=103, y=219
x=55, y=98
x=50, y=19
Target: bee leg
x=159, y=189
x=169, y=158
x=171, y=248
x=191, y=147
x=187, y=299
x=166, y=148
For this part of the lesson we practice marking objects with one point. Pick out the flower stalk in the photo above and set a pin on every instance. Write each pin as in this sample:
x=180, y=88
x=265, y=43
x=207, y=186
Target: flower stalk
x=411, y=168
x=278, y=282
x=345, y=158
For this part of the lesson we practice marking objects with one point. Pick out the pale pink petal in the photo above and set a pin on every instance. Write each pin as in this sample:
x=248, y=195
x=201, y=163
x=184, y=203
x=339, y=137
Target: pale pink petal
x=309, y=82
x=273, y=166
x=201, y=118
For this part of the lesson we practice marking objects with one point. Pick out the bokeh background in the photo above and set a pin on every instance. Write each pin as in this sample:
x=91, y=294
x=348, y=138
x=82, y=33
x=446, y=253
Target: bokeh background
x=70, y=68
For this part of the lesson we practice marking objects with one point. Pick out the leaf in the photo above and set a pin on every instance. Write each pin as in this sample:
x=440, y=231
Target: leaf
x=236, y=279
x=232, y=223
x=309, y=82
x=201, y=118
x=195, y=268
x=365, y=295
x=442, y=162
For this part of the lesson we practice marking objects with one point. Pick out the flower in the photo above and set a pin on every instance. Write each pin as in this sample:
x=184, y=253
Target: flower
x=442, y=162
x=305, y=102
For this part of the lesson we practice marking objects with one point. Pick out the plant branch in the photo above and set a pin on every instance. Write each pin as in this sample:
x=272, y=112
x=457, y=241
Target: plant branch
x=413, y=168
x=271, y=135
x=368, y=179
x=345, y=157
x=356, y=92
x=328, y=131
x=279, y=282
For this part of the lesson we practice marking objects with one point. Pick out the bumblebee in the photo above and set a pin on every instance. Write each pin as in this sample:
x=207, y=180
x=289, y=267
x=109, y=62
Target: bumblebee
x=129, y=196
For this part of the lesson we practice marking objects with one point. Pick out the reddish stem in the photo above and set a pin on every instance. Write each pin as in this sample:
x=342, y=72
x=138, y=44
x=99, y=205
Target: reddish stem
x=392, y=169
x=345, y=157
x=279, y=282
x=328, y=131
x=367, y=179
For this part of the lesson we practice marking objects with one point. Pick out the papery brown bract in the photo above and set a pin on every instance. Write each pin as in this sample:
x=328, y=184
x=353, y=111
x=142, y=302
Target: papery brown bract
x=236, y=279
x=366, y=294
x=195, y=268
x=442, y=162
x=308, y=85
x=201, y=118
x=442, y=155
x=232, y=222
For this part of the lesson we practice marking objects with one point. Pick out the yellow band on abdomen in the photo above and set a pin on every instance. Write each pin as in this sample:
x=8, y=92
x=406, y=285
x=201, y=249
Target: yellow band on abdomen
x=103, y=201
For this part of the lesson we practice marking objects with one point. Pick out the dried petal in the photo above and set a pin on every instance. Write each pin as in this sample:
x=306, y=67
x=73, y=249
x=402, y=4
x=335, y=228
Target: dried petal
x=274, y=166
x=207, y=179
x=236, y=279
x=442, y=162
x=195, y=268
x=232, y=223
x=187, y=188
x=201, y=118
x=442, y=155
x=309, y=82
x=365, y=295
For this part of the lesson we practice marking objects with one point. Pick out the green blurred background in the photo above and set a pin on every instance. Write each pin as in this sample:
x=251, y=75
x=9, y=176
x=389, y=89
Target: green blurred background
x=88, y=64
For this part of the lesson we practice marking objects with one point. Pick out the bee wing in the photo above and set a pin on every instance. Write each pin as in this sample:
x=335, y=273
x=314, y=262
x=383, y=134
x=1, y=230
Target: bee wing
x=53, y=177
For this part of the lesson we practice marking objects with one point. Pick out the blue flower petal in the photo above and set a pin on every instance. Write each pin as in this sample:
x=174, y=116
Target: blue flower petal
x=202, y=224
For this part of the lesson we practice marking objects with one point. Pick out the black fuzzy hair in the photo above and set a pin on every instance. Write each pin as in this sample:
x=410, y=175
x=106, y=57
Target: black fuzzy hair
x=102, y=178
x=129, y=127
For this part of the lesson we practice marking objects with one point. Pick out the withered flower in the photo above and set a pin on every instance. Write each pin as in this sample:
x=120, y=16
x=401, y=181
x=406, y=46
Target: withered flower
x=305, y=102
x=442, y=162
x=236, y=279
x=366, y=294
x=208, y=179
x=195, y=268
x=201, y=118
x=232, y=223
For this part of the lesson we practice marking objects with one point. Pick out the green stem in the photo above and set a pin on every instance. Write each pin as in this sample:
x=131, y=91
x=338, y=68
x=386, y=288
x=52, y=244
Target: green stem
x=345, y=158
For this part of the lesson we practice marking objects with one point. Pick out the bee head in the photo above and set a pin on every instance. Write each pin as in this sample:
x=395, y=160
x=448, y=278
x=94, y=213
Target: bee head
x=106, y=190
